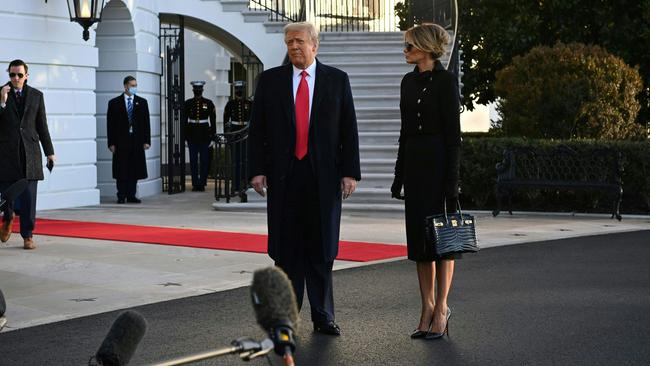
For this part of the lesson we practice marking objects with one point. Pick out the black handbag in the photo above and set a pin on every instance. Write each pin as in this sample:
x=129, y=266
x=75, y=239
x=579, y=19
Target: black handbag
x=451, y=233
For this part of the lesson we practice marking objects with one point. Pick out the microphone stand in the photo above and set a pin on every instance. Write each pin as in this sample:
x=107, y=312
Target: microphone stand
x=247, y=349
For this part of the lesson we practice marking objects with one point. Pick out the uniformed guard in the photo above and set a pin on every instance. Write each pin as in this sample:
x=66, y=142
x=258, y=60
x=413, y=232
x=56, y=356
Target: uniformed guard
x=200, y=128
x=235, y=118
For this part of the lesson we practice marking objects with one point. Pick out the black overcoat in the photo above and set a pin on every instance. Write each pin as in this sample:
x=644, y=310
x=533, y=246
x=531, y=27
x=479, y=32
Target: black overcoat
x=31, y=129
x=129, y=160
x=333, y=146
x=428, y=159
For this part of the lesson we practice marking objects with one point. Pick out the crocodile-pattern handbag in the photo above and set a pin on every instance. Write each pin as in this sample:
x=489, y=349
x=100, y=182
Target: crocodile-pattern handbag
x=451, y=233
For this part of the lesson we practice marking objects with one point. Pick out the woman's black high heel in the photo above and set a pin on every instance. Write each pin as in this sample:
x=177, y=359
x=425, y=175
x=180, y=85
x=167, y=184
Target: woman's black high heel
x=422, y=333
x=434, y=335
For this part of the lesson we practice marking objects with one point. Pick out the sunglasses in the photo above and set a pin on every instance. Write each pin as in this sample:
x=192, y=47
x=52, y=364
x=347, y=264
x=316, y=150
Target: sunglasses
x=13, y=75
x=408, y=47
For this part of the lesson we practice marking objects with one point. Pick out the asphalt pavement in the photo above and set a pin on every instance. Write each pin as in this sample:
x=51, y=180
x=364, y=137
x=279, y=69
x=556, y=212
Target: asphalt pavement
x=574, y=301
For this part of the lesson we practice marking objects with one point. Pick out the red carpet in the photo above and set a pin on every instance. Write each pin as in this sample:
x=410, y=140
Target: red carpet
x=241, y=242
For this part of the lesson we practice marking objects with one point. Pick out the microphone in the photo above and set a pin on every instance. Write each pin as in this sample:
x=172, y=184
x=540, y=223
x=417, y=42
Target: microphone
x=12, y=192
x=275, y=308
x=122, y=339
x=3, y=308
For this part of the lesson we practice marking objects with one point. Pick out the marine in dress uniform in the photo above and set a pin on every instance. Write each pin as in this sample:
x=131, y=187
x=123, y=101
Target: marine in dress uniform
x=236, y=116
x=200, y=127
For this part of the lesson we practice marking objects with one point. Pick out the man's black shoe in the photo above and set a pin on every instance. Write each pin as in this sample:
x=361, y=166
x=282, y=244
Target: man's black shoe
x=195, y=189
x=121, y=200
x=329, y=328
x=133, y=200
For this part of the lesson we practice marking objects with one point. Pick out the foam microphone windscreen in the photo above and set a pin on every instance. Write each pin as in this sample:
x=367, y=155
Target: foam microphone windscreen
x=122, y=339
x=274, y=301
x=3, y=304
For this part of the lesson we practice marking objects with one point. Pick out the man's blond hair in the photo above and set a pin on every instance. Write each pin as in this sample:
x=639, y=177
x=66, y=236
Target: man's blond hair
x=303, y=27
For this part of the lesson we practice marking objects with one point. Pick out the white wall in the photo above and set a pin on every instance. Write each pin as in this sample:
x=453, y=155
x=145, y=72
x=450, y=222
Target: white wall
x=62, y=66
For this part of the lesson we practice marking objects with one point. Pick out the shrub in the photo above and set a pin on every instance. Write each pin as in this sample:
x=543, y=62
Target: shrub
x=569, y=91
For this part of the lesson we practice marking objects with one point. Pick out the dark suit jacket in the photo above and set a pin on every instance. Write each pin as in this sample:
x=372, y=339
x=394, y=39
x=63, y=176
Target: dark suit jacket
x=31, y=129
x=129, y=159
x=333, y=146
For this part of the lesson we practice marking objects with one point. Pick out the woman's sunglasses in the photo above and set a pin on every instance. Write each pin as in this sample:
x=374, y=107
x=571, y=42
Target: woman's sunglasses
x=13, y=75
x=408, y=47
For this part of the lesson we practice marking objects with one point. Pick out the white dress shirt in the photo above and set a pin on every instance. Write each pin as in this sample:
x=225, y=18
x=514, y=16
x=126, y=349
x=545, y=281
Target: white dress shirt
x=311, y=80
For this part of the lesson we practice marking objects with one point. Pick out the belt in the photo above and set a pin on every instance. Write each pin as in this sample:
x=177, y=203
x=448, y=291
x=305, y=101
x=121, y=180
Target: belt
x=198, y=121
x=239, y=123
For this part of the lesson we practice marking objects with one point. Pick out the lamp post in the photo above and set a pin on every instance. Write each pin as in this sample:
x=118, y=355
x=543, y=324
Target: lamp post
x=86, y=13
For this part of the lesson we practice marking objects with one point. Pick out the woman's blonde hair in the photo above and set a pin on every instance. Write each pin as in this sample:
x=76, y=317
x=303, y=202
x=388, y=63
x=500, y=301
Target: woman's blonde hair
x=430, y=38
x=303, y=27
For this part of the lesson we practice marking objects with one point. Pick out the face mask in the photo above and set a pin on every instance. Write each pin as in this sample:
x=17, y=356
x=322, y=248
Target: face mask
x=133, y=90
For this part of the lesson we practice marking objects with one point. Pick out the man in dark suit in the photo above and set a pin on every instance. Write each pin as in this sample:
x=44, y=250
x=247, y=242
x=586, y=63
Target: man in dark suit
x=200, y=126
x=304, y=150
x=129, y=135
x=22, y=125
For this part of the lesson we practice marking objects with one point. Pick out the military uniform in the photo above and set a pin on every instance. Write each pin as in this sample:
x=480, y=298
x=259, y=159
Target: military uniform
x=236, y=116
x=199, y=127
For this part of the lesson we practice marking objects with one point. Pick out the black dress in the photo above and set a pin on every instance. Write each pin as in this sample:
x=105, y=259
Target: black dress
x=429, y=146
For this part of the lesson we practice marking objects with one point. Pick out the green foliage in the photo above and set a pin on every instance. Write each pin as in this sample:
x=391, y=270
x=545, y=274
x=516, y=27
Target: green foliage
x=569, y=91
x=493, y=32
x=478, y=176
x=402, y=12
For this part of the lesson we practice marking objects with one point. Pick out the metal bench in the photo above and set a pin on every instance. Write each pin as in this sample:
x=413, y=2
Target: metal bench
x=559, y=168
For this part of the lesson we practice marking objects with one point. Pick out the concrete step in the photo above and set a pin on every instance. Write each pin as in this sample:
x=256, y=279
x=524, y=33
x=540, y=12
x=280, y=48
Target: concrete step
x=254, y=16
x=388, y=89
x=376, y=180
x=370, y=195
x=361, y=46
x=386, y=166
x=377, y=113
x=376, y=66
x=362, y=36
x=369, y=78
x=378, y=138
x=378, y=151
x=375, y=125
x=348, y=207
x=369, y=101
x=234, y=5
x=274, y=26
x=329, y=57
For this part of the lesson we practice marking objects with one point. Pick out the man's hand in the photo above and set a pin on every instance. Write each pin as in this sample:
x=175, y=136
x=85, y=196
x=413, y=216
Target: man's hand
x=52, y=158
x=112, y=148
x=348, y=185
x=4, y=94
x=146, y=146
x=259, y=183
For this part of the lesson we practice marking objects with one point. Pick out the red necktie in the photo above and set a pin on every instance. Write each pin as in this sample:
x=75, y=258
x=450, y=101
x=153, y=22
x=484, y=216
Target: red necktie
x=302, y=117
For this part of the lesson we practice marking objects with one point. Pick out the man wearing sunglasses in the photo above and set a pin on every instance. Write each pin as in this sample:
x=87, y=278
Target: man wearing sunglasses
x=23, y=125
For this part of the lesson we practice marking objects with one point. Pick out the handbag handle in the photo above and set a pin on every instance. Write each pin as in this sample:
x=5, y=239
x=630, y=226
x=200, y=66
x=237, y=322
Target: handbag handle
x=460, y=211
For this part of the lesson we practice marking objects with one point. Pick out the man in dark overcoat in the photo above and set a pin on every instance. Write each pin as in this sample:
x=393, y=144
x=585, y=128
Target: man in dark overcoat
x=129, y=135
x=304, y=150
x=23, y=125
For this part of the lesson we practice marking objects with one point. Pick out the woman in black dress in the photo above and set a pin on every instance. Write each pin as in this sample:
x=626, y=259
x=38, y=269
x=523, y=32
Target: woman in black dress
x=427, y=166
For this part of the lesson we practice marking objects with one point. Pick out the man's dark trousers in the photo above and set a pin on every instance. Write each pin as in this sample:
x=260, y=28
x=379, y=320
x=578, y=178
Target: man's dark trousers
x=199, y=163
x=126, y=188
x=25, y=204
x=302, y=257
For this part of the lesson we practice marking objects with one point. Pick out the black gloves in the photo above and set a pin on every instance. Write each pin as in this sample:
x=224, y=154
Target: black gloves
x=396, y=189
